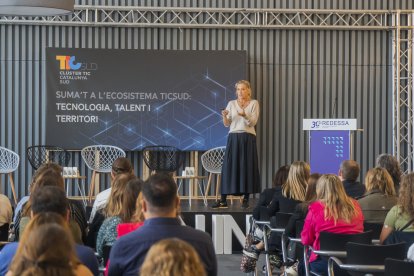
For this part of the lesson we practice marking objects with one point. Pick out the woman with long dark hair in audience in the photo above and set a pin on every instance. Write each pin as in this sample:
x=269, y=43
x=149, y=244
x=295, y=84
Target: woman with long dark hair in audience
x=267, y=195
x=44, y=252
x=392, y=165
x=379, y=197
x=120, y=208
x=403, y=212
x=333, y=211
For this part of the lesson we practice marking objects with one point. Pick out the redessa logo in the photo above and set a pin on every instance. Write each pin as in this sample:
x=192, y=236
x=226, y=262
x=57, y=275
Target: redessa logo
x=328, y=124
x=69, y=63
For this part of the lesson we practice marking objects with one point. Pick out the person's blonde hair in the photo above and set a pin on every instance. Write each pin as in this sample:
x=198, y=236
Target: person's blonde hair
x=171, y=257
x=379, y=178
x=295, y=185
x=123, y=197
x=406, y=195
x=46, y=248
x=245, y=83
x=139, y=214
x=330, y=191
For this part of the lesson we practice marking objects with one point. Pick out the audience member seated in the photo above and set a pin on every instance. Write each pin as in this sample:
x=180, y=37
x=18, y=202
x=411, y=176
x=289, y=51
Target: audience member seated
x=299, y=215
x=301, y=209
x=293, y=193
x=47, y=250
x=171, y=257
x=48, y=205
x=333, y=211
x=349, y=173
x=403, y=212
x=50, y=174
x=137, y=219
x=379, y=197
x=6, y=213
x=391, y=164
x=160, y=206
x=120, y=208
x=19, y=207
x=121, y=165
x=267, y=195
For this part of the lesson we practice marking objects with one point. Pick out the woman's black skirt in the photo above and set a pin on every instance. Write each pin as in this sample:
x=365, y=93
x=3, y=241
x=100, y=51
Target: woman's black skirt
x=240, y=172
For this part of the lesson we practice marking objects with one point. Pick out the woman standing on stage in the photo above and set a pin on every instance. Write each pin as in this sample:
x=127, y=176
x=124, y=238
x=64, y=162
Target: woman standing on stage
x=240, y=172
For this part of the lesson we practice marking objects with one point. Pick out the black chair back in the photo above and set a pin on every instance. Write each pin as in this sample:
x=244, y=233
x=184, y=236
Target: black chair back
x=299, y=227
x=368, y=254
x=163, y=158
x=398, y=267
x=106, y=251
x=40, y=154
x=337, y=242
x=376, y=229
x=4, y=232
x=280, y=220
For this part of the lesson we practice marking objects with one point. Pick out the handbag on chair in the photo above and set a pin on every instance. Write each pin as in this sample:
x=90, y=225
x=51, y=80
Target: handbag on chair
x=398, y=236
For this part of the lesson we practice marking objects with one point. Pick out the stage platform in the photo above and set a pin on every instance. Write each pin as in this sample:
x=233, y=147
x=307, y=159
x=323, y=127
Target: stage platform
x=227, y=227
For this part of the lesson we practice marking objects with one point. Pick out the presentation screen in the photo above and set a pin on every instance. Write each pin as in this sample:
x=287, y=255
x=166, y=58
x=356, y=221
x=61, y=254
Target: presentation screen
x=135, y=98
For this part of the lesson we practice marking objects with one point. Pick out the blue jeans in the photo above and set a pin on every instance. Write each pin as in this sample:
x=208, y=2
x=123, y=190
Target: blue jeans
x=319, y=266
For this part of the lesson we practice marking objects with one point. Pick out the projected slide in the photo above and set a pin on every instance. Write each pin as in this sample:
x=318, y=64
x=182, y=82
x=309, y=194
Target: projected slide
x=135, y=98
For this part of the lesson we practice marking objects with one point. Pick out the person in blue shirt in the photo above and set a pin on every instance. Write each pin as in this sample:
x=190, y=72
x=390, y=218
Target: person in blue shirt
x=160, y=207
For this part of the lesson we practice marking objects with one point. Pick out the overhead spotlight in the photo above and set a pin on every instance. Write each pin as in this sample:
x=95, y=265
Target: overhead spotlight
x=36, y=7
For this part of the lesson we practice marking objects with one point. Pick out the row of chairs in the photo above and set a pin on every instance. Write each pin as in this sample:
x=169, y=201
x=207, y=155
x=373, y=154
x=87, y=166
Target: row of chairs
x=99, y=159
x=358, y=254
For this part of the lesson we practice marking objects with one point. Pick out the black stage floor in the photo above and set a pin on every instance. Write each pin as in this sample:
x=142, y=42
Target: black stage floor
x=197, y=205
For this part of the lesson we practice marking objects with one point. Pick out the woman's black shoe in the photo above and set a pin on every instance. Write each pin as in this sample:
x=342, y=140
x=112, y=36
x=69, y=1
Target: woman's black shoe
x=219, y=204
x=245, y=204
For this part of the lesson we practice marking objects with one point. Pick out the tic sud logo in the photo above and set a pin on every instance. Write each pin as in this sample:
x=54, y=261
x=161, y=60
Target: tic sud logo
x=73, y=70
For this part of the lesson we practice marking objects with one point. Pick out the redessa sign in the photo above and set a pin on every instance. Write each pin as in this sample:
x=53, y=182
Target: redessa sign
x=329, y=124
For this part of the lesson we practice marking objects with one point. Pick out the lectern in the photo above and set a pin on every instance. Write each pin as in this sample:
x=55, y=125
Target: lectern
x=330, y=142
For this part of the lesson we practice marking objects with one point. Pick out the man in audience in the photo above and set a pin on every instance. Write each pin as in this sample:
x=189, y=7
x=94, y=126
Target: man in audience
x=50, y=199
x=348, y=173
x=160, y=205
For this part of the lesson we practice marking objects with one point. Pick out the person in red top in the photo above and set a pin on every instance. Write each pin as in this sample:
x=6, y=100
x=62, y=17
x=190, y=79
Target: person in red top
x=333, y=211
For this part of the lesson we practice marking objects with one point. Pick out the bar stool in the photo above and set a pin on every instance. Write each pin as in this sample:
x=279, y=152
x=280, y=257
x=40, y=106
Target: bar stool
x=9, y=161
x=99, y=159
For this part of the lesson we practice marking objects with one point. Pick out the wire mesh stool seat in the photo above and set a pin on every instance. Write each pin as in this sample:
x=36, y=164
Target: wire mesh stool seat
x=9, y=161
x=99, y=159
x=212, y=161
x=162, y=158
x=41, y=154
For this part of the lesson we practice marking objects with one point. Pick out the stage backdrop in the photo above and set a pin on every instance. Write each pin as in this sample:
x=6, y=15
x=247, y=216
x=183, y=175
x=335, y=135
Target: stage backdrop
x=135, y=98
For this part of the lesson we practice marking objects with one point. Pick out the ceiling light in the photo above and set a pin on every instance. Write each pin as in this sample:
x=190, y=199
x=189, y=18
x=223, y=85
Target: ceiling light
x=36, y=7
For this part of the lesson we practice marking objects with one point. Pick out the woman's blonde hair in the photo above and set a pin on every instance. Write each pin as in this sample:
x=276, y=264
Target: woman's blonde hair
x=295, y=185
x=46, y=248
x=245, y=83
x=138, y=215
x=379, y=178
x=330, y=191
x=406, y=195
x=172, y=257
x=124, y=193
